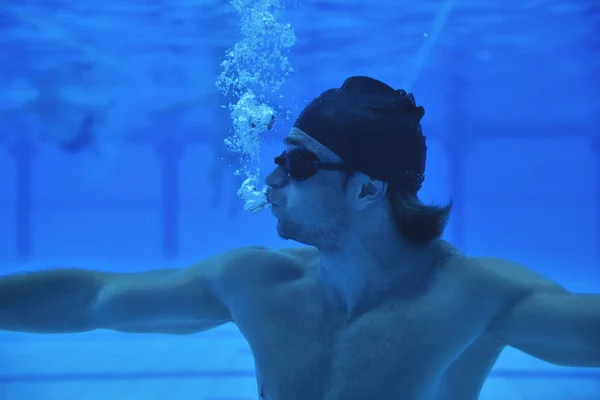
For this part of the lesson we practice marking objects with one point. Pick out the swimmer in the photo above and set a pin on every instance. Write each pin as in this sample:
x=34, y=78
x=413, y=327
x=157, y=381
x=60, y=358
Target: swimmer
x=71, y=127
x=82, y=139
x=376, y=306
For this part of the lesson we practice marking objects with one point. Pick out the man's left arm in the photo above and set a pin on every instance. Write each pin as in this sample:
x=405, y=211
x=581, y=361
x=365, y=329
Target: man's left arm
x=556, y=326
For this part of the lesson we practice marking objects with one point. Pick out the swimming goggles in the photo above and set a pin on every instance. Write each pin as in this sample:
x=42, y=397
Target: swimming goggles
x=301, y=164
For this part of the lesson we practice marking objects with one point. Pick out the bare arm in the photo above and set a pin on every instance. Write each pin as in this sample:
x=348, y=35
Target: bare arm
x=556, y=326
x=49, y=301
x=543, y=319
x=164, y=301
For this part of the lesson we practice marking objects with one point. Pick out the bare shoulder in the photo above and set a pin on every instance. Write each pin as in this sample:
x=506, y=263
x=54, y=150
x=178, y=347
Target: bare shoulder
x=306, y=255
x=248, y=269
x=500, y=277
x=493, y=279
x=509, y=277
x=499, y=283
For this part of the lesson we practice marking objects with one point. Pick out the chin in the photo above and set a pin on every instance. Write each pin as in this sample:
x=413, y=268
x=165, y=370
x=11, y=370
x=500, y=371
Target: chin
x=289, y=230
x=284, y=231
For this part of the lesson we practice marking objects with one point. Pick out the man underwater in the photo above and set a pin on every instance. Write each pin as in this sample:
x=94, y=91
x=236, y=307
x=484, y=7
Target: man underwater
x=376, y=306
x=68, y=125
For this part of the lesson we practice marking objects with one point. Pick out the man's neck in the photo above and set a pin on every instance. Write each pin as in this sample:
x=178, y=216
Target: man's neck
x=366, y=271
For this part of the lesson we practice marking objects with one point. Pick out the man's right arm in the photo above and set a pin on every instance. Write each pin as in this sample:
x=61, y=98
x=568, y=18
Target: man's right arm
x=173, y=301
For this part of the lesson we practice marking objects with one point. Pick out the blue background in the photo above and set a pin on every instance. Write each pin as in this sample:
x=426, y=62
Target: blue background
x=512, y=93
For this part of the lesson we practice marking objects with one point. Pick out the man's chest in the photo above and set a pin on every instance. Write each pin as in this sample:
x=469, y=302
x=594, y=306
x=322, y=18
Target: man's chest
x=403, y=345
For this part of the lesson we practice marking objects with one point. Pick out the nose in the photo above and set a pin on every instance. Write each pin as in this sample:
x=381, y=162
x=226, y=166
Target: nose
x=277, y=179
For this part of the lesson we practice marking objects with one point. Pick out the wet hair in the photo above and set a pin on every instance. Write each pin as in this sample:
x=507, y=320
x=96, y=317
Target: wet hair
x=415, y=221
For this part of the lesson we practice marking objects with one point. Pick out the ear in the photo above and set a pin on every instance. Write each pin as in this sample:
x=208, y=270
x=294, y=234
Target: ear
x=369, y=192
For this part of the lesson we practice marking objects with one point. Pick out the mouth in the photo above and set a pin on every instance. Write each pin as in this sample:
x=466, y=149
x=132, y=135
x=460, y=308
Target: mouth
x=275, y=206
x=269, y=199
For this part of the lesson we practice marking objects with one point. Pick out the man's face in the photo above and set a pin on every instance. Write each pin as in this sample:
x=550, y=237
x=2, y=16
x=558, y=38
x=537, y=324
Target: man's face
x=314, y=211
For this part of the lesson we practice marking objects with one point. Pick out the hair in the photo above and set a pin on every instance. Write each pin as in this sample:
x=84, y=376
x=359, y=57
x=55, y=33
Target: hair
x=417, y=222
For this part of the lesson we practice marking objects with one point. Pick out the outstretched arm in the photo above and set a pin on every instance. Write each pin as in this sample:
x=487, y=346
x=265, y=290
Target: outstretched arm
x=175, y=301
x=556, y=326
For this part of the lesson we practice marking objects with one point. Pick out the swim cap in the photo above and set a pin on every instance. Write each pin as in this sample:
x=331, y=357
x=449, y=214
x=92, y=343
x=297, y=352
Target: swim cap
x=373, y=128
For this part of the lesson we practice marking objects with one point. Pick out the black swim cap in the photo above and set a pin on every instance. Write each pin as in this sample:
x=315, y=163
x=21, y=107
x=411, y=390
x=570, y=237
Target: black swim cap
x=373, y=128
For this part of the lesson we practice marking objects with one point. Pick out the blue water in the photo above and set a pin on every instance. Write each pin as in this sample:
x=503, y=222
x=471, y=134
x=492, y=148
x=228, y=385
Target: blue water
x=512, y=93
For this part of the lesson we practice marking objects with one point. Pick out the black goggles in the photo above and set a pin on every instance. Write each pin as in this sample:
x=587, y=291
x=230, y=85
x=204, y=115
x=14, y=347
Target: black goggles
x=301, y=164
